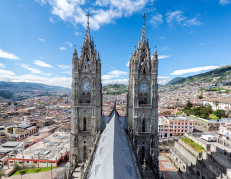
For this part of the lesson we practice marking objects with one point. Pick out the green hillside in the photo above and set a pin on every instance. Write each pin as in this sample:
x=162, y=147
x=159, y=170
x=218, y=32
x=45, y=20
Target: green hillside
x=175, y=80
x=30, y=86
x=216, y=76
x=114, y=89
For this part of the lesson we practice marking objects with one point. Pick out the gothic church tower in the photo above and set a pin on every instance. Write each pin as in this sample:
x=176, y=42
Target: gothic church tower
x=143, y=102
x=86, y=100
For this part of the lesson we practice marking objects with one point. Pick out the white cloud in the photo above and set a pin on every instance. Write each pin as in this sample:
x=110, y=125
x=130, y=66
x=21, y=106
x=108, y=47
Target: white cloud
x=4, y=54
x=191, y=32
x=34, y=70
x=156, y=20
x=52, y=20
x=114, y=74
x=41, y=58
x=31, y=78
x=127, y=64
x=22, y=6
x=193, y=70
x=177, y=17
x=191, y=22
x=6, y=72
x=161, y=38
x=41, y=40
x=165, y=48
x=2, y=65
x=117, y=73
x=69, y=43
x=103, y=11
x=163, y=56
x=77, y=33
x=224, y=2
x=64, y=66
x=116, y=81
x=62, y=48
x=41, y=63
x=163, y=82
x=205, y=43
x=67, y=72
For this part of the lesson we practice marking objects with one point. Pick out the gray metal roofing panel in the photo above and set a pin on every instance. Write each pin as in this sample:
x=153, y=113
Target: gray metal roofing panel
x=10, y=144
x=112, y=159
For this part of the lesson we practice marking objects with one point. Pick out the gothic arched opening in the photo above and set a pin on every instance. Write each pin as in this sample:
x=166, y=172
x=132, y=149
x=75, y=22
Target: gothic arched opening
x=84, y=152
x=83, y=97
x=143, y=125
x=140, y=98
x=84, y=124
x=145, y=98
x=142, y=153
x=88, y=97
x=165, y=135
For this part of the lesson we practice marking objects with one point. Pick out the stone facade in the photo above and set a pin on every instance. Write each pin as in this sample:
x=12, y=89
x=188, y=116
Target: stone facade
x=143, y=101
x=142, y=116
x=86, y=100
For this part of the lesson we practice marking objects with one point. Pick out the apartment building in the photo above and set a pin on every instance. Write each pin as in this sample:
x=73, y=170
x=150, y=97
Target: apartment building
x=174, y=126
x=224, y=103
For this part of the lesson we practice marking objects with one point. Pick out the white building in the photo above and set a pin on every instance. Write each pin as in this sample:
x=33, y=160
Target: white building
x=223, y=103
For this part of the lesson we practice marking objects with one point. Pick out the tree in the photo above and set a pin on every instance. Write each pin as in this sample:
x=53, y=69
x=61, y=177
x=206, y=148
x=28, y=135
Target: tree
x=200, y=96
x=1, y=174
x=9, y=103
x=188, y=105
x=216, y=103
x=220, y=113
x=228, y=112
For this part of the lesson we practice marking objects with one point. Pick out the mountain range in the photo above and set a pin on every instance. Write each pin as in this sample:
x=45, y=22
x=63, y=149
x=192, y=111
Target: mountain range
x=216, y=76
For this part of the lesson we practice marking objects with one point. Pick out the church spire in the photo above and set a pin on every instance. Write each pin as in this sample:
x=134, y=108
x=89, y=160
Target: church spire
x=88, y=28
x=143, y=35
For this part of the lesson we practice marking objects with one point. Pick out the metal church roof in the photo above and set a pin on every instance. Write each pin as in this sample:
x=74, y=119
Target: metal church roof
x=113, y=158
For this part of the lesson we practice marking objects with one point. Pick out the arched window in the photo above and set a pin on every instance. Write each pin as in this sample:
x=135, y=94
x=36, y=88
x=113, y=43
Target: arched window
x=140, y=98
x=144, y=71
x=84, y=152
x=84, y=97
x=145, y=98
x=88, y=97
x=143, y=125
x=142, y=153
x=84, y=124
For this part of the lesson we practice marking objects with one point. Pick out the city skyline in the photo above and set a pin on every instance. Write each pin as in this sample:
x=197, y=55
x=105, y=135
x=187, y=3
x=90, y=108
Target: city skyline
x=39, y=37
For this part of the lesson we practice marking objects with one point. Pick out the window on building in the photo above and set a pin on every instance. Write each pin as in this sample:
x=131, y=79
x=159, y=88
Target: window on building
x=140, y=98
x=83, y=97
x=84, y=152
x=145, y=98
x=84, y=124
x=143, y=125
x=88, y=97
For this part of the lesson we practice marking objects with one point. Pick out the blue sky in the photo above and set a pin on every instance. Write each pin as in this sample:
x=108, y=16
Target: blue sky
x=37, y=37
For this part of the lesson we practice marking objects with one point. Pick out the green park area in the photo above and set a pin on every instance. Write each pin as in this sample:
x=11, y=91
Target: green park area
x=32, y=170
x=213, y=116
x=193, y=144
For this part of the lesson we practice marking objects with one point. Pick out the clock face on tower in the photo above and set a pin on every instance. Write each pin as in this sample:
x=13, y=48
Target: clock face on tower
x=143, y=87
x=86, y=86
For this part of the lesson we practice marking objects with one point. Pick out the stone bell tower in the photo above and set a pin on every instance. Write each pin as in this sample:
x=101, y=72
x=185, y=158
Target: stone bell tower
x=86, y=99
x=143, y=101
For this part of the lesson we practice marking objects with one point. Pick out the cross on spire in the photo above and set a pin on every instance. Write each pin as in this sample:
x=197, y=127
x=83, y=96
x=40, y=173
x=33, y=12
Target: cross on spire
x=88, y=18
x=144, y=18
